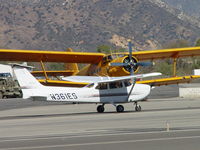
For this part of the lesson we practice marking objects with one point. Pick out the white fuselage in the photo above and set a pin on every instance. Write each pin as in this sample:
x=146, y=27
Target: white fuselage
x=89, y=95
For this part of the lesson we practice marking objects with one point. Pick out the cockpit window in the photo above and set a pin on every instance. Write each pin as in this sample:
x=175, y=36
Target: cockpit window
x=102, y=86
x=127, y=83
x=115, y=85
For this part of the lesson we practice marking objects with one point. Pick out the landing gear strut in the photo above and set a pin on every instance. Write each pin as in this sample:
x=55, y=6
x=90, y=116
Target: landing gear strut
x=137, y=107
x=100, y=108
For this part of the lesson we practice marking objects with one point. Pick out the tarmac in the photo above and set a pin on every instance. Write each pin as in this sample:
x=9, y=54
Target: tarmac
x=165, y=122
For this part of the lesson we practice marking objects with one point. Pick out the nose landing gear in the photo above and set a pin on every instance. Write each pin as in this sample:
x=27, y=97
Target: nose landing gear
x=137, y=107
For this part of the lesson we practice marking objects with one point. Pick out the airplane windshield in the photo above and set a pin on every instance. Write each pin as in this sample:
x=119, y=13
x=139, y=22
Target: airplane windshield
x=90, y=85
x=102, y=86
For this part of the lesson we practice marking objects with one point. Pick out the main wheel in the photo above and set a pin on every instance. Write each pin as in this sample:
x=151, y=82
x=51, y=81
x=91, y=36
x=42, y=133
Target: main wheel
x=120, y=108
x=138, y=108
x=100, y=109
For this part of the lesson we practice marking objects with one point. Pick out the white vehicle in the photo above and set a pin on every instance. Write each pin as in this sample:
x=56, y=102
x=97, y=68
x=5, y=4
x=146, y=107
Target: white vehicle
x=115, y=91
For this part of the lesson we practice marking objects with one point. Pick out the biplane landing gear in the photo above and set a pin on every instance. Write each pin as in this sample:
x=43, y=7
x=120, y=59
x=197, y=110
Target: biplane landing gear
x=137, y=107
x=120, y=108
x=100, y=108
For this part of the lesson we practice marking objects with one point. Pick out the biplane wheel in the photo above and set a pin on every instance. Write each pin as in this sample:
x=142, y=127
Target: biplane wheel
x=138, y=108
x=100, y=109
x=120, y=108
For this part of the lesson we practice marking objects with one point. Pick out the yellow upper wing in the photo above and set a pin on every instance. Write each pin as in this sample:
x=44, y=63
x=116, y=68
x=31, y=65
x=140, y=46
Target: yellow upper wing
x=166, y=53
x=50, y=56
x=83, y=57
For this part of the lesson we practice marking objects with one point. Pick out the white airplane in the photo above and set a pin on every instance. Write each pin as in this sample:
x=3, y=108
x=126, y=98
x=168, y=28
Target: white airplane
x=108, y=91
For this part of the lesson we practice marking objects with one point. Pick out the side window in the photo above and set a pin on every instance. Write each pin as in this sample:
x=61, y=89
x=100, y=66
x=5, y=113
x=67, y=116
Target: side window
x=116, y=85
x=102, y=86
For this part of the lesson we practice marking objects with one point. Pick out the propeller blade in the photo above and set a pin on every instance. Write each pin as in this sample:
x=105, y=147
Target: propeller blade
x=131, y=71
x=118, y=64
x=130, y=50
x=130, y=56
x=145, y=64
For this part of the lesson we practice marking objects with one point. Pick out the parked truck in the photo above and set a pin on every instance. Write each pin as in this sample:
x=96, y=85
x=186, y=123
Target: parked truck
x=9, y=87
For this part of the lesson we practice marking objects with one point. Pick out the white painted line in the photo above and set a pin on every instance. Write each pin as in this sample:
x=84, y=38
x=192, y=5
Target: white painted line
x=96, y=135
x=110, y=142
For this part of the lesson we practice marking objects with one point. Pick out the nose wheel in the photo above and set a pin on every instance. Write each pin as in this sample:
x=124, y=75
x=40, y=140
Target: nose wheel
x=100, y=108
x=137, y=107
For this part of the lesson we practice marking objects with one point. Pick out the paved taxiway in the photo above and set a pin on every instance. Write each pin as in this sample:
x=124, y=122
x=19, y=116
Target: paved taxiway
x=79, y=127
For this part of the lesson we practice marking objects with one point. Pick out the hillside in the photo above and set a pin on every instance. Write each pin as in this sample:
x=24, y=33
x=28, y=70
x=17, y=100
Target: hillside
x=190, y=7
x=83, y=25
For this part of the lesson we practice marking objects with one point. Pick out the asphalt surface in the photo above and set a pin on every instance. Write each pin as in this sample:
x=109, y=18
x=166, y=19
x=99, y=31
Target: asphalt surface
x=164, y=123
x=179, y=140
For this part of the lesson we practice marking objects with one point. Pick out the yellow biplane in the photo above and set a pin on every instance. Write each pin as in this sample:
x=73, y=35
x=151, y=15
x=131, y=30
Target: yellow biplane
x=100, y=64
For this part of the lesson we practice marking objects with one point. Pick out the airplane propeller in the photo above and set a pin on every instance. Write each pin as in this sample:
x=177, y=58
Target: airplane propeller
x=129, y=63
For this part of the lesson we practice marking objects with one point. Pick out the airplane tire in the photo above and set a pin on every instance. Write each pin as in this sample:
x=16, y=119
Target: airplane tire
x=138, y=108
x=100, y=109
x=120, y=108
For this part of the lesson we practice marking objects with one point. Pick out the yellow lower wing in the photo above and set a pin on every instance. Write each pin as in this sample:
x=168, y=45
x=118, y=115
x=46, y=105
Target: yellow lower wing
x=62, y=83
x=170, y=80
x=154, y=82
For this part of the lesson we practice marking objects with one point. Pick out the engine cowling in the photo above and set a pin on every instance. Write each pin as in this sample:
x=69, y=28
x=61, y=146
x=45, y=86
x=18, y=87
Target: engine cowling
x=123, y=70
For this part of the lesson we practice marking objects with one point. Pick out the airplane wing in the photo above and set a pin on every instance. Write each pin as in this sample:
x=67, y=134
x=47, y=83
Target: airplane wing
x=83, y=57
x=87, y=79
x=81, y=81
x=166, y=53
x=93, y=79
x=62, y=83
x=170, y=80
x=54, y=73
x=50, y=56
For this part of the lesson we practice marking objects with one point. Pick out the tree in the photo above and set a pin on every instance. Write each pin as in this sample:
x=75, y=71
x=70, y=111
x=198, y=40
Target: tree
x=197, y=42
x=164, y=66
x=177, y=44
x=103, y=49
x=183, y=66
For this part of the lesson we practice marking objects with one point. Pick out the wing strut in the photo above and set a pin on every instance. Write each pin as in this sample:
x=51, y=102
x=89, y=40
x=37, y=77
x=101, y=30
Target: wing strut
x=43, y=68
x=174, y=66
x=133, y=84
